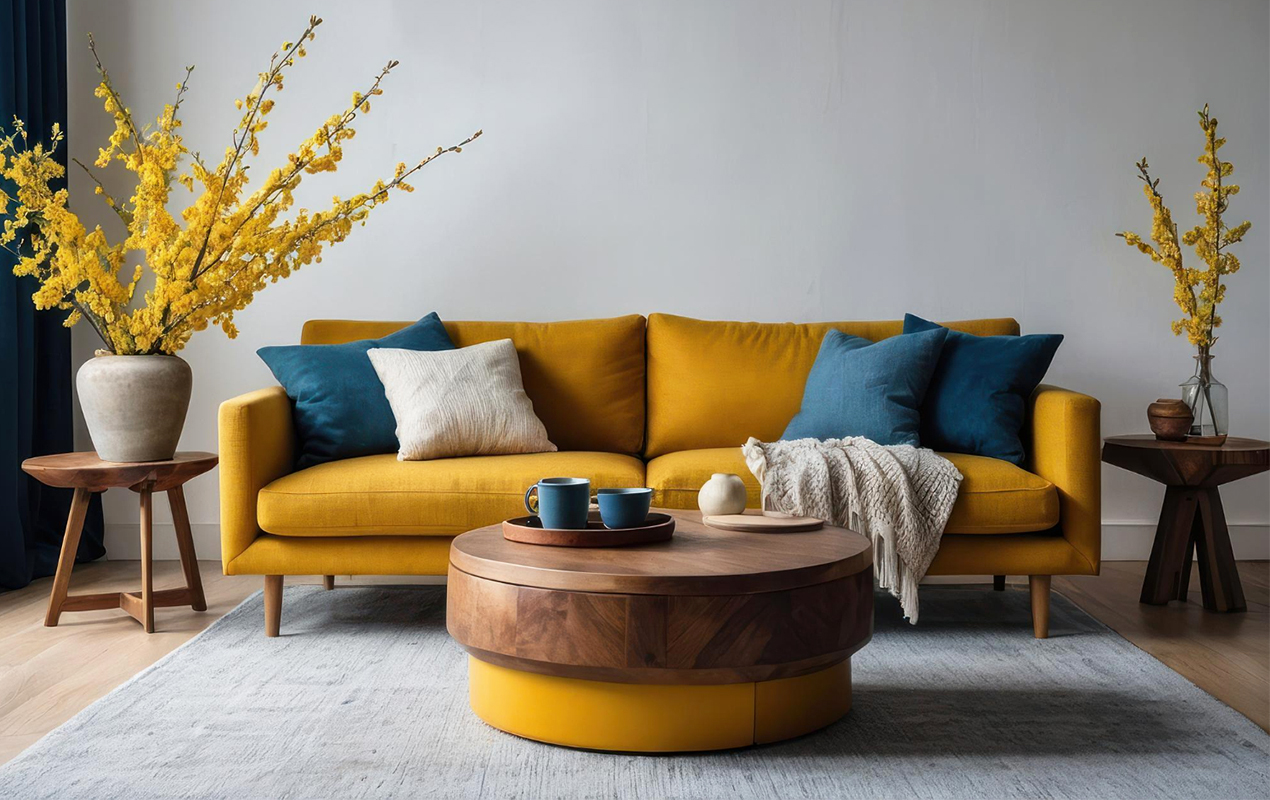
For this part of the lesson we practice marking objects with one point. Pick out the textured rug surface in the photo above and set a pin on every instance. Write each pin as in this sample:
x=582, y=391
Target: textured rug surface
x=365, y=695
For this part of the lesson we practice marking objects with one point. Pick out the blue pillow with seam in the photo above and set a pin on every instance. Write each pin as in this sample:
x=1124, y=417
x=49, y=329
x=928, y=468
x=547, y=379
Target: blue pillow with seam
x=858, y=387
x=339, y=406
x=977, y=401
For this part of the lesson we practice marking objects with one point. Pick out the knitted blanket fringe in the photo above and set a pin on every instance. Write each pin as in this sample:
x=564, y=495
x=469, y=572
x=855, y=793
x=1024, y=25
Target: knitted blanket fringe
x=899, y=496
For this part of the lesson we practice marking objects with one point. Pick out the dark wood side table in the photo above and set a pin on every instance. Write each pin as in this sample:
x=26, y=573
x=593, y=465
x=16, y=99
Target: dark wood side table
x=86, y=473
x=1192, y=522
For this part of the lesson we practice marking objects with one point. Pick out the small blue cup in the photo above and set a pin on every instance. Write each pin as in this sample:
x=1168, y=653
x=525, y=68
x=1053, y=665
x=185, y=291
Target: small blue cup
x=624, y=508
x=560, y=503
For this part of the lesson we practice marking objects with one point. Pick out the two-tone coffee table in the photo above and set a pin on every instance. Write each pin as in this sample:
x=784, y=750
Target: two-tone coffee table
x=714, y=639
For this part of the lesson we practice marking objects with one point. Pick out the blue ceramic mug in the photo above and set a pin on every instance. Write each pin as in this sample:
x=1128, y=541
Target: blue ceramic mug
x=560, y=503
x=624, y=508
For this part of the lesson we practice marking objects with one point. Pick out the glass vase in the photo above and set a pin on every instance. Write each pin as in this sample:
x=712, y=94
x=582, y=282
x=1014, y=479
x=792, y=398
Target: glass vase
x=1208, y=398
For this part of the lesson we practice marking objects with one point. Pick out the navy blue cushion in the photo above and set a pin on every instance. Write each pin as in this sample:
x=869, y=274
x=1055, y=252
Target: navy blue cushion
x=340, y=410
x=977, y=401
x=861, y=388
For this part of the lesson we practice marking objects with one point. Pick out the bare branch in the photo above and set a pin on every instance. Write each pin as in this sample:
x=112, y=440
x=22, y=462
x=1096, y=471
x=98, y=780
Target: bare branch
x=123, y=215
x=105, y=79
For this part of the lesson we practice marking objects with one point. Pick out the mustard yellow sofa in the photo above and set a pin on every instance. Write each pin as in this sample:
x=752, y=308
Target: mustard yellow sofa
x=660, y=402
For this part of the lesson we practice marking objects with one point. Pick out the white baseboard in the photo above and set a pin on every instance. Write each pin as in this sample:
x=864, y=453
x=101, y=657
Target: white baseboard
x=1131, y=541
x=1121, y=541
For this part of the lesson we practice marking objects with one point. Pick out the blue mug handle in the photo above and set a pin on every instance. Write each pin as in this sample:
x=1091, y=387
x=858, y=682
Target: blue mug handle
x=531, y=490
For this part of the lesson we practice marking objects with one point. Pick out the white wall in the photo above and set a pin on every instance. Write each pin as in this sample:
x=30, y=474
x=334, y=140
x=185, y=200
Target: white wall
x=757, y=160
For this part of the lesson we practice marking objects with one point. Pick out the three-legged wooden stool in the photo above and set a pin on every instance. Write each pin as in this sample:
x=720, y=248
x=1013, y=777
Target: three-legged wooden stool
x=86, y=473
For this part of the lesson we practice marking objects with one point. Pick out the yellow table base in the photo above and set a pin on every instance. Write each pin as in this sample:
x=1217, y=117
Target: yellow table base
x=656, y=718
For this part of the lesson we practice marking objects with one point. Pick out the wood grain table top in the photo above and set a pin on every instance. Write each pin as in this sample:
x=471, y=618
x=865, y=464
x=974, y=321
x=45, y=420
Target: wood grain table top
x=84, y=470
x=1186, y=464
x=1147, y=441
x=698, y=560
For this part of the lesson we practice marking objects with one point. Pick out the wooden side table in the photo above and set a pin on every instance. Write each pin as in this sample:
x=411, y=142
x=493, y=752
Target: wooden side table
x=1192, y=522
x=86, y=473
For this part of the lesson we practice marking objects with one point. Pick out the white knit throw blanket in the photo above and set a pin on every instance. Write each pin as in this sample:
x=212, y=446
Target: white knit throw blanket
x=899, y=496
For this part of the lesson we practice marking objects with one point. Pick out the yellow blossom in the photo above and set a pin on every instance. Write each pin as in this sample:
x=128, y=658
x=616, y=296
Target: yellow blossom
x=229, y=243
x=1208, y=240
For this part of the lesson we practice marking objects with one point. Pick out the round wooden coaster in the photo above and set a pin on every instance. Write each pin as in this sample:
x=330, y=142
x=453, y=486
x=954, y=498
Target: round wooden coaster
x=759, y=523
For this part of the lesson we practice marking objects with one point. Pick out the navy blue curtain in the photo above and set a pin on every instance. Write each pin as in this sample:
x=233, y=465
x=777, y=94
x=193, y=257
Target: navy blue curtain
x=35, y=350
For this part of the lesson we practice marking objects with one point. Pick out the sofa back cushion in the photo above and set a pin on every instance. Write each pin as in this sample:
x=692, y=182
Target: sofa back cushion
x=585, y=377
x=714, y=384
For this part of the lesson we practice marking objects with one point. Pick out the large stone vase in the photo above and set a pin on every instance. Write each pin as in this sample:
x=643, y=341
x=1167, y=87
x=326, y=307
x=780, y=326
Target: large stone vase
x=134, y=405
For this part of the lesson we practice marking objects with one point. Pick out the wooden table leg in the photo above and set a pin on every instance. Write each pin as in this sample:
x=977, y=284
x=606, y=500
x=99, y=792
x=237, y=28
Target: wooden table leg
x=66, y=560
x=1172, y=540
x=1218, y=574
x=147, y=561
x=1193, y=528
x=185, y=542
x=1188, y=559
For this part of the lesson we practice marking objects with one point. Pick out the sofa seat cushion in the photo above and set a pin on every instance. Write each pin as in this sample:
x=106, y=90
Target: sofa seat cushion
x=379, y=495
x=995, y=495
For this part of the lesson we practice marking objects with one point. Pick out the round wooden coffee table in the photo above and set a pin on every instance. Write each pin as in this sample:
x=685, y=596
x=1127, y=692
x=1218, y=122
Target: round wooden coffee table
x=714, y=639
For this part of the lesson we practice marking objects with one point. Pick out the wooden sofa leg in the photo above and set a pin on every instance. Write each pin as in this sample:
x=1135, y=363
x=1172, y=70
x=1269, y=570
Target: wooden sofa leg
x=328, y=582
x=1040, y=588
x=998, y=583
x=273, y=604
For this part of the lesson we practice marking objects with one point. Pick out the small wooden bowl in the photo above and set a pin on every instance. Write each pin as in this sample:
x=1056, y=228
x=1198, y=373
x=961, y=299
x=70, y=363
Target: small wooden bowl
x=528, y=530
x=1170, y=419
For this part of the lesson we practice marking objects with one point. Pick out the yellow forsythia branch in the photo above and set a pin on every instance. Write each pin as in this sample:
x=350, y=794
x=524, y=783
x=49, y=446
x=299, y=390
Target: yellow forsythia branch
x=229, y=243
x=1196, y=291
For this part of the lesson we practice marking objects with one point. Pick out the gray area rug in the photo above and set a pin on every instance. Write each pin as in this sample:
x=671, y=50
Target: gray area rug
x=366, y=696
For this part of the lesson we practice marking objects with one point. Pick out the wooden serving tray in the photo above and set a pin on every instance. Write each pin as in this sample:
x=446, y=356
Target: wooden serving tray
x=760, y=523
x=529, y=530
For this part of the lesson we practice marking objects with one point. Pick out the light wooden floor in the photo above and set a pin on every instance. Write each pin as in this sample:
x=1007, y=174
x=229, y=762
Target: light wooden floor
x=47, y=675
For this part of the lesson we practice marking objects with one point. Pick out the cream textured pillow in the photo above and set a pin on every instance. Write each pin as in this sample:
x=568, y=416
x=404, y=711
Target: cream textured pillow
x=464, y=402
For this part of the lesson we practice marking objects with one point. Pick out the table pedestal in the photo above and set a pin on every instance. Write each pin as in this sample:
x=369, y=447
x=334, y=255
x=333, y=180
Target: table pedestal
x=656, y=718
x=1193, y=528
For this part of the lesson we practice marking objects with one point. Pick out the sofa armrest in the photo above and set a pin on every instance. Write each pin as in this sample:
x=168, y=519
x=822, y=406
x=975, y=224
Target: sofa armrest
x=257, y=446
x=1066, y=436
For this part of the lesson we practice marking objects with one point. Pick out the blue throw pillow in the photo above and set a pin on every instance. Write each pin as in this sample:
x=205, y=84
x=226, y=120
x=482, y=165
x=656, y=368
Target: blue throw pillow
x=977, y=401
x=340, y=410
x=861, y=388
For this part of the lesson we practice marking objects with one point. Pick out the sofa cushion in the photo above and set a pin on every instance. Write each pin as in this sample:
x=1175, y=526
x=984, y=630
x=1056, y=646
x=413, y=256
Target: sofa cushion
x=585, y=377
x=338, y=403
x=977, y=399
x=995, y=497
x=715, y=384
x=872, y=389
x=675, y=478
x=465, y=402
x=379, y=495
